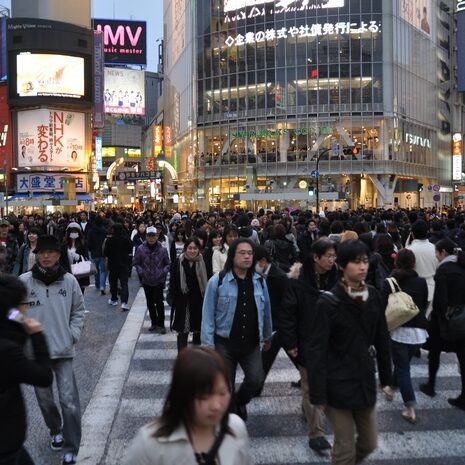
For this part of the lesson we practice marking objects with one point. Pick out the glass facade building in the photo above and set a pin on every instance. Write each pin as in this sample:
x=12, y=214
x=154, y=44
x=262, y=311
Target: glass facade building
x=363, y=90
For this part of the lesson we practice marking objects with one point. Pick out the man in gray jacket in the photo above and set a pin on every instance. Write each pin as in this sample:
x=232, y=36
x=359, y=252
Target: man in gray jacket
x=55, y=300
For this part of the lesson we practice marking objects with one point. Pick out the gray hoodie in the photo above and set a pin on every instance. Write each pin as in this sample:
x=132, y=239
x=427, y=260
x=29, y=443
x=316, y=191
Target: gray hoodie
x=60, y=309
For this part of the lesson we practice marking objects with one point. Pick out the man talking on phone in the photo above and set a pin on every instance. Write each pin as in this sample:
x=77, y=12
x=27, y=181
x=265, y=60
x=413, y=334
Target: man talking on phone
x=55, y=300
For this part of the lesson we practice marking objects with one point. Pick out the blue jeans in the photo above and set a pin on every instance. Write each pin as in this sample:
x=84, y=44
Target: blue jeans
x=70, y=405
x=401, y=357
x=251, y=364
x=101, y=275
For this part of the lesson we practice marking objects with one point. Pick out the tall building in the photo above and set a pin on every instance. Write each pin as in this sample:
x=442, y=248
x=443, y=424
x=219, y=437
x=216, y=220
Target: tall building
x=267, y=100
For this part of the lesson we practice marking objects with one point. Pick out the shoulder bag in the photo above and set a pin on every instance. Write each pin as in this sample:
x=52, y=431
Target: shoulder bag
x=83, y=269
x=400, y=308
x=452, y=326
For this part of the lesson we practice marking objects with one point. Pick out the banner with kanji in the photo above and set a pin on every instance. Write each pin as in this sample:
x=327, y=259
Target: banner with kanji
x=49, y=137
x=43, y=182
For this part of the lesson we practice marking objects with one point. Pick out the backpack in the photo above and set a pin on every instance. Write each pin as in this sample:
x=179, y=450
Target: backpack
x=400, y=308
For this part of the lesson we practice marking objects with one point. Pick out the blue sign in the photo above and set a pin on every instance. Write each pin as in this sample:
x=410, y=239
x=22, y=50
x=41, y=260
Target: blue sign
x=314, y=174
x=98, y=153
x=460, y=10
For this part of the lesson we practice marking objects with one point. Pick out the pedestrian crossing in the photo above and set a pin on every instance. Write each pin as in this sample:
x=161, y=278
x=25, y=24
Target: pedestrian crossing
x=277, y=429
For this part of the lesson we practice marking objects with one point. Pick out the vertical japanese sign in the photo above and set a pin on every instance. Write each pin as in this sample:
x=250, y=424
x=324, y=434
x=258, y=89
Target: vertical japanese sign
x=98, y=153
x=157, y=139
x=460, y=11
x=99, y=109
x=457, y=154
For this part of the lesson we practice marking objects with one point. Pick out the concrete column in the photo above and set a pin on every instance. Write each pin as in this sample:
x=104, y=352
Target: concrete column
x=385, y=185
x=283, y=146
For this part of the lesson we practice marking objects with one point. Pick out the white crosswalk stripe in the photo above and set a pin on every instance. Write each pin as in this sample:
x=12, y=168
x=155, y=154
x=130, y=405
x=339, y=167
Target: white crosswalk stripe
x=276, y=424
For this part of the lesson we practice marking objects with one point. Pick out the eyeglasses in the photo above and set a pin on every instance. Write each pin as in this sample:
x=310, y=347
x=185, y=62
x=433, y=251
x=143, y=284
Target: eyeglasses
x=330, y=257
x=245, y=252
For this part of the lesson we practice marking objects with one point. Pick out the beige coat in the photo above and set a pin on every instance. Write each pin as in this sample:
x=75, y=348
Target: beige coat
x=176, y=449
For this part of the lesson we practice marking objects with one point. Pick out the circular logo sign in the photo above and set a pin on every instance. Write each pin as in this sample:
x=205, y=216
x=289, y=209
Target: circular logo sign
x=436, y=197
x=436, y=188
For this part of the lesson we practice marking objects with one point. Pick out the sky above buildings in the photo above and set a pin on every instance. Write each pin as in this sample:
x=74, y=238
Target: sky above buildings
x=150, y=11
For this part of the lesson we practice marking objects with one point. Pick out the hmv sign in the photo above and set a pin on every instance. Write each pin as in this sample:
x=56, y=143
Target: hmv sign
x=124, y=42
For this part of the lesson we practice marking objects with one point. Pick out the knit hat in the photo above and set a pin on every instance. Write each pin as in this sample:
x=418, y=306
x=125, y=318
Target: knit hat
x=47, y=242
x=73, y=225
x=255, y=222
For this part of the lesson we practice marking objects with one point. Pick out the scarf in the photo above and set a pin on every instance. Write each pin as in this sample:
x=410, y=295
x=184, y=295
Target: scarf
x=48, y=275
x=200, y=271
x=359, y=295
x=448, y=259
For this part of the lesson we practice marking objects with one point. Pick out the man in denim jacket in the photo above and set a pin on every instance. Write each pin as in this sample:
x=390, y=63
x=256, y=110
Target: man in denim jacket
x=236, y=318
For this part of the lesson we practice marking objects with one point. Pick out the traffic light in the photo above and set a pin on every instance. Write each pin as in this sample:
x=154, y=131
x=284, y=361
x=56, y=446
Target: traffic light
x=311, y=191
x=355, y=151
x=420, y=187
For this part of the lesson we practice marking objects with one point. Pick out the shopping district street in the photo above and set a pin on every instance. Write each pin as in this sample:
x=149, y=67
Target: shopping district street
x=123, y=373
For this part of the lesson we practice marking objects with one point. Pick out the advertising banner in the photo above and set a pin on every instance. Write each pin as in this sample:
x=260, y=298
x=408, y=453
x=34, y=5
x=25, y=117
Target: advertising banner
x=98, y=153
x=460, y=10
x=99, y=109
x=43, y=182
x=157, y=139
x=124, y=91
x=51, y=138
x=125, y=42
x=5, y=131
x=51, y=75
x=417, y=13
x=3, y=51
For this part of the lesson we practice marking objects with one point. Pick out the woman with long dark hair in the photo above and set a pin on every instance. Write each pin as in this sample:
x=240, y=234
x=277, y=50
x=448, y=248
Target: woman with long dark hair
x=408, y=338
x=26, y=257
x=214, y=242
x=188, y=281
x=74, y=250
x=230, y=234
x=194, y=426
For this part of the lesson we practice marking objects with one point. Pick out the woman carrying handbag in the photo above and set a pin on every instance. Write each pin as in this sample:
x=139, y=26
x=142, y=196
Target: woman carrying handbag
x=408, y=337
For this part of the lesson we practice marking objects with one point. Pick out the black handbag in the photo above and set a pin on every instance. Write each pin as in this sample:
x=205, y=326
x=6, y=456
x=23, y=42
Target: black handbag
x=452, y=326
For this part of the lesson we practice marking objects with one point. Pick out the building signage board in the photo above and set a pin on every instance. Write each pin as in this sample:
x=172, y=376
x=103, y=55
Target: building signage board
x=141, y=175
x=417, y=13
x=43, y=182
x=125, y=42
x=98, y=153
x=460, y=11
x=124, y=91
x=308, y=30
x=3, y=50
x=457, y=156
x=99, y=117
x=157, y=139
x=132, y=153
x=49, y=137
x=271, y=133
x=108, y=152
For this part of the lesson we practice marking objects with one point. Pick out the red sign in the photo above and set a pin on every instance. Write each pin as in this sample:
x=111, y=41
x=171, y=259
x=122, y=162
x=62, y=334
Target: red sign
x=6, y=150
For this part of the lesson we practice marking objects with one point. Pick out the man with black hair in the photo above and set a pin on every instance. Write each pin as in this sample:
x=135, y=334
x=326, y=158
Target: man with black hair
x=55, y=300
x=236, y=319
x=277, y=283
x=317, y=274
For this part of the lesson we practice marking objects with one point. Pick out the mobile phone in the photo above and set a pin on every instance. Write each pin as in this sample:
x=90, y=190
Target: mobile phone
x=15, y=315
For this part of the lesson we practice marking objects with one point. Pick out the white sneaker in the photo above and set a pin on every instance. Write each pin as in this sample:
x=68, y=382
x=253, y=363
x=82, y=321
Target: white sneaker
x=125, y=307
x=69, y=459
x=57, y=441
x=112, y=302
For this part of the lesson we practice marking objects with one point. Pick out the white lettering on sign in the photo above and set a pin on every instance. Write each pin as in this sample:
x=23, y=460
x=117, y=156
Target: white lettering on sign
x=417, y=140
x=119, y=36
x=460, y=6
x=456, y=167
x=230, y=5
x=3, y=135
x=304, y=31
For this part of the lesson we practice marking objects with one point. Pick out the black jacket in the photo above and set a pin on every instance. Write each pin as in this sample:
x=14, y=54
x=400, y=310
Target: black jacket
x=449, y=290
x=277, y=283
x=95, y=239
x=17, y=369
x=298, y=306
x=341, y=371
x=118, y=250
x=283, y=253
x=417, y=289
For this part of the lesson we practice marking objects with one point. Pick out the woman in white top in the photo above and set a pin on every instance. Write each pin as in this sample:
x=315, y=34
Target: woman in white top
x=230, y=234
x=194, y=427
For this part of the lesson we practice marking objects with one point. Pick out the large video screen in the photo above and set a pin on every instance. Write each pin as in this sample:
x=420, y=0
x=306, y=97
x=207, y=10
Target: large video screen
x=124, y=91
x=49, y=75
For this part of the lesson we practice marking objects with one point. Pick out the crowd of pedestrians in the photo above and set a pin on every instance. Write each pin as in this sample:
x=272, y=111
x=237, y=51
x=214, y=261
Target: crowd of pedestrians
x=244, y=285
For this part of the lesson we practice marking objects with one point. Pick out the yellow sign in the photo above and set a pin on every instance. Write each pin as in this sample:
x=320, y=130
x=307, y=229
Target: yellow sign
x=133, y=153
x=157, y=139
x=108, y=152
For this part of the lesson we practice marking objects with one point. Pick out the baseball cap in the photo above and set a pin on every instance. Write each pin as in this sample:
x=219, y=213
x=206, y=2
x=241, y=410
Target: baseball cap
x=4, y=223
x=151, y=230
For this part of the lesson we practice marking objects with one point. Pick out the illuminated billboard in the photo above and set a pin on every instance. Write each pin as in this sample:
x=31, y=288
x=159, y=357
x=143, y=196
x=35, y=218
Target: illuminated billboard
x=49, y=137
x=51, y=75
x=417, y=13
x=289, y=5
x=457, y=154
x=124, y=91
x=124, y=42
